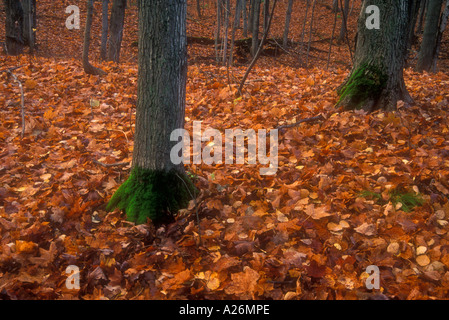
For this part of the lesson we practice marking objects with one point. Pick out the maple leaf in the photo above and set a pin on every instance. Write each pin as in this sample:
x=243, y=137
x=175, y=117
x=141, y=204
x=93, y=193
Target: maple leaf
x=46, y=256
x=244, y=283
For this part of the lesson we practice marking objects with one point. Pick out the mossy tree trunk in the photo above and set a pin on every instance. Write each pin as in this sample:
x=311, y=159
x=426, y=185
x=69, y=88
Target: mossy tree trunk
x=157, y=188
x=376, y=80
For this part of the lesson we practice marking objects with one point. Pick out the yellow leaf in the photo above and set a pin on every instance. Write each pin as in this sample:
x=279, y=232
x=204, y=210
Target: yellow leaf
x=214, y=282
x=25, y=246
x=46, y=177
x=281, y=217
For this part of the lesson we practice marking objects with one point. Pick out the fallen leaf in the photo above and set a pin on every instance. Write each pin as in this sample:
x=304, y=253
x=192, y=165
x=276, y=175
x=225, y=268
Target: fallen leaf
x=367, y=229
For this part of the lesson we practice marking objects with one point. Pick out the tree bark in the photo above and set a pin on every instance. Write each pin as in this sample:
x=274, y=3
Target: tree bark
x=376, y=80
x=88, y=68
x=303, y=32
x=428, y=46
x=104, y=30
x=415, y=12
x=266, y=14
x=251, y=15
x=198, y=8
x=245, y=19
x=218, y=29
x=117, y=22
x=227, y=10
x=238, y=7
x=344, y=21
x=29, y=23
x=288, y=16
x=443, y=24
x=255, y=27
x=335, y=6
x=423, y=6
x=157, y=186
x=14, y=27
x=161, y=84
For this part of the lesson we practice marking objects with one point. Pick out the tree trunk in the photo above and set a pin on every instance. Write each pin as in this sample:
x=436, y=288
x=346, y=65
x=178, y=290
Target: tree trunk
x=218, y=29
x=14, y=27
x=29, y=23
x=255, y=27
x=303, y=32
x=116, y=29
x=234, y=28
x=88, y=68
x=415, y=12
x=198, y=8
x=429, y=42
x=288, y=16
x=266, y=14
x=423, y=6
x=335, y=7
x=157, y=187
x=251, y=15
x=226, y=30
x=376, y=80
x=344, y=21
x=310, y=33
x=104, y=30
x=443, y=23
x=245, y=19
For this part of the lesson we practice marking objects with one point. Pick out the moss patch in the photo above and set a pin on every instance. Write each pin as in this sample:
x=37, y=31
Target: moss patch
x=408, y=200
x=156, y=195
x=365, y=83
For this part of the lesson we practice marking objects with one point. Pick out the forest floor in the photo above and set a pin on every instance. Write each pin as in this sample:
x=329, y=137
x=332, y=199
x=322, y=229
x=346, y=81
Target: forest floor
x=352, y=189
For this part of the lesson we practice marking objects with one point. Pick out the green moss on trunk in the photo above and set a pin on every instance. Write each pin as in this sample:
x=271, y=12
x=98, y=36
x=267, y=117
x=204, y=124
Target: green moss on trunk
x=363, y=87
x=152, y=194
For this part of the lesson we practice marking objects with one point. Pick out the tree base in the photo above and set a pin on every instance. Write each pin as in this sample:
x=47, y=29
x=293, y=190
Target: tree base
x=369, y=89
x=362, y=89
x=90, y=69
x=155, y=195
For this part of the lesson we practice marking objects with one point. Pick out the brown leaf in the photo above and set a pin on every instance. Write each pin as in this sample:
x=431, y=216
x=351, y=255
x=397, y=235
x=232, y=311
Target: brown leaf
x=367, y=229
x=315, y=270
x=226, y=262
